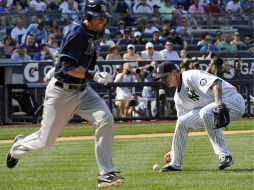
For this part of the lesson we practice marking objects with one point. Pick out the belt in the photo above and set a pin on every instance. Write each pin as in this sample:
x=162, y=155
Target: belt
x=66, y=86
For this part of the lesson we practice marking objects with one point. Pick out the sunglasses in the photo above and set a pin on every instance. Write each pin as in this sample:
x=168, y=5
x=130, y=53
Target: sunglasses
x=101, y=18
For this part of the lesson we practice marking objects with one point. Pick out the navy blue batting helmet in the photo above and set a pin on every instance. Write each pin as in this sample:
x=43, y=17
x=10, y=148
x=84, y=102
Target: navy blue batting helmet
x=97, y=8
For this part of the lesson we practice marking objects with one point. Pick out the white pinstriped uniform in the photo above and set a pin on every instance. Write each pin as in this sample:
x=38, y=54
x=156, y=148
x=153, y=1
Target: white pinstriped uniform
x=194, y=101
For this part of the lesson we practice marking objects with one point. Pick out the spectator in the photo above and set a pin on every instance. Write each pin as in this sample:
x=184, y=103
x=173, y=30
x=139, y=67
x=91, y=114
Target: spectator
x=168, y=53
x=20, y=54
x=183, y=54
x=117, y=36
x=156, y=38
x=70, y=10
x=8, y=47
x=135, y=108
x=150, y=27
x=150, y=53
x=248, y=7
x=44, y=53
x=226, y=44
x=113, y=54
x=137, y=38
x=204, y=3
x=165, y=32
x=105, y=41
x=197, y=12
x=119, y=7
x=217, y=66
x=148, y=74
x=18, y=31
x=176, y=39
x=133, y=30
x=121, y=26
x=37, y=5
x=237, y=40
x=247, y=40
x=52, y=43
x=156, y=14
x=142, y=7
x=233, y=6
x=202, y=40
x=39, y=32
x=185, y=35
x=218, y=37
x=165, y=107
x=181, y=11
x=213, y=7
x=125, y=39
x=123, y=94
x=31, y=48
x=64, y=5
x=167, y=10
x=130, y=55
x=53, y=5
x=54, y=27
x=196, y=8
x=184, y=23
x=21, y=5
x=17, y=7
x=209, y=46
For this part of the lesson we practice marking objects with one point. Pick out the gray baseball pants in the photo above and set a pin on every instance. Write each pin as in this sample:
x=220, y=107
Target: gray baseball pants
x=59, y=107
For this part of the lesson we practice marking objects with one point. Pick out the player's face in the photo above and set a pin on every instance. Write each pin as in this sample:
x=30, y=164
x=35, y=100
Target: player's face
x=171, y=79
x=97, y=23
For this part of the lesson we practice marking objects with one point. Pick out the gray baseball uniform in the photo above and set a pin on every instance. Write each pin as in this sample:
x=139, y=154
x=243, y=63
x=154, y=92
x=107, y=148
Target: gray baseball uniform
x=67, y=95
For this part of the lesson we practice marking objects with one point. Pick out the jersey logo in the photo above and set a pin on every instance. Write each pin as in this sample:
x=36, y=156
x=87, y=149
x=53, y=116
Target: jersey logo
x=203, y=82
x=92, y=47
x=192, y=95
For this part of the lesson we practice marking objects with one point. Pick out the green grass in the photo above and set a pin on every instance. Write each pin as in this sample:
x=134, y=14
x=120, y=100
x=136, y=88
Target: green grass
x=71, y=165
x=120, y=129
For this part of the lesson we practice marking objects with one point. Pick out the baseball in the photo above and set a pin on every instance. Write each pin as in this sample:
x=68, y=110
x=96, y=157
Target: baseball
x=156, y=167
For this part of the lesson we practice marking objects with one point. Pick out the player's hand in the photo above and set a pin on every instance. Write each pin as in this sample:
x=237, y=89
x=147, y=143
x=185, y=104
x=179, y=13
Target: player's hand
x=103, y=78
x=167, y=157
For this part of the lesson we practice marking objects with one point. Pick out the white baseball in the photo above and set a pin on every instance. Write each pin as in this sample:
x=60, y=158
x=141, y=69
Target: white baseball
x=156, y=167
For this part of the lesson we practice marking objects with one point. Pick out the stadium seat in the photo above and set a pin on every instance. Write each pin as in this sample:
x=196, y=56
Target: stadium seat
x=245, y=54
x=228, y=54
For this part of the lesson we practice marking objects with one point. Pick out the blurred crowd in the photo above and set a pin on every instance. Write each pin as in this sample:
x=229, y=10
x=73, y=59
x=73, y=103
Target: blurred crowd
x=151, y=30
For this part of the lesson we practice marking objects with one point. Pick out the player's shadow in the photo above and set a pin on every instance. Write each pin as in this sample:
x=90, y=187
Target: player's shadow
x=240, y=170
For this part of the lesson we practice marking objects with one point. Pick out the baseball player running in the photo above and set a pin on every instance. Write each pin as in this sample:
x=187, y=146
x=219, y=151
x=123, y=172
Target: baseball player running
x=201, y=100
x=69, y=93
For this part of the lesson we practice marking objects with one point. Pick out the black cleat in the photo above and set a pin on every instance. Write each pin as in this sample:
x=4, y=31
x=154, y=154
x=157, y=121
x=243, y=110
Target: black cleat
x=167, y=168
x=226, y=162
x=10, y=161
x=109, y=179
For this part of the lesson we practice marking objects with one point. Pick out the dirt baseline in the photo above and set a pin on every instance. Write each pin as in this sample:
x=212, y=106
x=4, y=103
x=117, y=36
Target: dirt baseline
x=137, y=136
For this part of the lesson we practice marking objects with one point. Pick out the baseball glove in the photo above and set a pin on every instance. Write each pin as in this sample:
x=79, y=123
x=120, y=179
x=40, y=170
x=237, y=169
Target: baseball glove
x=221, y=116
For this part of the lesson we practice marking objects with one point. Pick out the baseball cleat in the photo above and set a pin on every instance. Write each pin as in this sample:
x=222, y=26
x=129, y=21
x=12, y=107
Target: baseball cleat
x=109, y=179
x=226, y=162
x=168, y=168
x=10, y=161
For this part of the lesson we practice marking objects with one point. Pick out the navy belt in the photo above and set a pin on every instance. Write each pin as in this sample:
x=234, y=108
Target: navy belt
x=66, y=86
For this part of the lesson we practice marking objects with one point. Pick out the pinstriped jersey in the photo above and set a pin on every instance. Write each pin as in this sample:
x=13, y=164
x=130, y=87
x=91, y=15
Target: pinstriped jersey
x=195, y=91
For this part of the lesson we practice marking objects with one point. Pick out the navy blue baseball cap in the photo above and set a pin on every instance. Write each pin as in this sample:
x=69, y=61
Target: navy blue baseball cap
x=164, y=68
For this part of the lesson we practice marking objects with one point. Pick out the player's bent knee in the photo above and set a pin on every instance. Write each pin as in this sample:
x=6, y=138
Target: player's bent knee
x=107, y=120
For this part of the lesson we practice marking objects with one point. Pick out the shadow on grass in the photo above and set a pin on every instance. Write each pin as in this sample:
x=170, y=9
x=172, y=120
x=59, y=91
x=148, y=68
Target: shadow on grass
x=228, y=170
